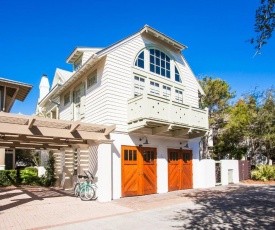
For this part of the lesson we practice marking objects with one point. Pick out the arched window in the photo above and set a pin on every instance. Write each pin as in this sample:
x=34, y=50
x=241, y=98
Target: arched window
x=159, y=63
x=177, y=75
x=140, y=60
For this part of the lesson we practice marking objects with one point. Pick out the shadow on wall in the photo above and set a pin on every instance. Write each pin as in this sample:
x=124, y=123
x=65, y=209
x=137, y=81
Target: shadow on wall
x=93, y=159
x=234, y=208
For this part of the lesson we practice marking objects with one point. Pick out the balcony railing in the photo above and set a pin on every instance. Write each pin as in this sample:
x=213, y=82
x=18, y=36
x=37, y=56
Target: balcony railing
x=157, y=109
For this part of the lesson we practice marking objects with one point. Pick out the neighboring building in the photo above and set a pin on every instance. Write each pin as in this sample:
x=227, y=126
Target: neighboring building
x=9, y=92
x=144, y=86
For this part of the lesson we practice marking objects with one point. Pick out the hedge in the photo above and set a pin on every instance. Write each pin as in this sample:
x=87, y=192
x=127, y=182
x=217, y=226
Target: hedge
x=8, y=177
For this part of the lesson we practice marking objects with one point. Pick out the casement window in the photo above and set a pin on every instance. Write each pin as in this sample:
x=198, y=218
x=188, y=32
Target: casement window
x=79, y=102
x=166, y=91
x=67, y=98
x=140, y=60
x=154, y=87
x=177, y=75
x=92, y=79
x=178, y=96
x=139, y=85
x=159, y=63
x=78, y=63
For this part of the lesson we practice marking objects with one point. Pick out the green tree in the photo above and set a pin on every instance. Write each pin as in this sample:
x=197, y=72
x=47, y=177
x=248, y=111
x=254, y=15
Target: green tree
x=264, y=23
x=217, y=98
x=250, y=126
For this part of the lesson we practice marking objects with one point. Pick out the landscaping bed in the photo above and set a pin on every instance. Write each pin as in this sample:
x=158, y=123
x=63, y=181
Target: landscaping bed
x=270, y=182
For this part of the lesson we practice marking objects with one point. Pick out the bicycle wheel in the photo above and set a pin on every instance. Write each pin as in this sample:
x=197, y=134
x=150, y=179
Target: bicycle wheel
x=86, y=193
x=77, y=189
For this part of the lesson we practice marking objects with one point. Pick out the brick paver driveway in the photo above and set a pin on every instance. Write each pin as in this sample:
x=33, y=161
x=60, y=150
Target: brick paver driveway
x=224, y=207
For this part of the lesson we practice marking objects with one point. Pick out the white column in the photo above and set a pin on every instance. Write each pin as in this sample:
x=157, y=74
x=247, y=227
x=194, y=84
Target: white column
x=104, y=172
x=2, y=159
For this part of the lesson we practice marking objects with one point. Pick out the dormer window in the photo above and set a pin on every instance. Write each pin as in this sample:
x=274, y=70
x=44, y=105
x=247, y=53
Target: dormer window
x=159, y=63
x=92, y=79
x=140, y=60
x=177, y=75
x=78, y=63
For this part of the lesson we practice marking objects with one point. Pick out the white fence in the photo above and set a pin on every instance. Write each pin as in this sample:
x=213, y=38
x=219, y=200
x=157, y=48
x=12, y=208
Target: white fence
x=204, y=174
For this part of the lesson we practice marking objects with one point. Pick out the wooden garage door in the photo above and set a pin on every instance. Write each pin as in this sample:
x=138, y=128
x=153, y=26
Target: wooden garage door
x=179, y=169
x=139, y=175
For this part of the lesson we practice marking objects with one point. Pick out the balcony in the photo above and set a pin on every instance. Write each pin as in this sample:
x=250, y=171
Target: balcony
x=153, y=115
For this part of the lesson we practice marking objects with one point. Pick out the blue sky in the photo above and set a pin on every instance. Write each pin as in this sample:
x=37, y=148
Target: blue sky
x=38, y=36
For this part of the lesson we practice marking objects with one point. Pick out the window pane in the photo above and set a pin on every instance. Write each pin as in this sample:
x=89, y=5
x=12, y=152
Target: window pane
x=167, y=59
x=142, y=79
x=158, y=61
x=141, y=56
x=162, y=64
x=140, y=63
x=152, y=51
x=130, y=155
x=163, y=72
x=135, y=155
x=126, y=155
x=157, y=53
x=152, y=59
x=163, y=56
x=167, y=73
x=167, y=65
x=157, y=70
x=152, y=69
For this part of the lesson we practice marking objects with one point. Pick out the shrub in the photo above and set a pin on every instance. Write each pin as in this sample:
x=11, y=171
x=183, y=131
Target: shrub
x=49, y=179
x=264, y=173
x=30, y=176
x=8, y=177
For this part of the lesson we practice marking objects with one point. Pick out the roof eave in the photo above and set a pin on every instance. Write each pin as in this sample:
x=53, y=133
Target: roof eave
x=170, y=41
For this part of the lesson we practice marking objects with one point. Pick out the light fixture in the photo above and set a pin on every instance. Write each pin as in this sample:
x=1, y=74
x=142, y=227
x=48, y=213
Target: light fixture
x=185, y=146
x=146, y=140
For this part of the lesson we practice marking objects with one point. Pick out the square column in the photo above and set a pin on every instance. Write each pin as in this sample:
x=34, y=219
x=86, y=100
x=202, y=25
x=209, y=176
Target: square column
x=2, y=159
x=104, y=172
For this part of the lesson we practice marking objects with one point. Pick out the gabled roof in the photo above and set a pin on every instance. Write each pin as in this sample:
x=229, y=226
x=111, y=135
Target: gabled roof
x=78, y=51
x=102, y=52
x=64, y=75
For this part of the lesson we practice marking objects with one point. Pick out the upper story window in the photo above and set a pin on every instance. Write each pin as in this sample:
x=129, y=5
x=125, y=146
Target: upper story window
x=67, y=98
x=178, y=96
x=140, y=60
x=166, y=91
x=154, y=87
x=92, y=79
x=159, y=63
x=78, y=63
x=177, y=75
x=139, y=85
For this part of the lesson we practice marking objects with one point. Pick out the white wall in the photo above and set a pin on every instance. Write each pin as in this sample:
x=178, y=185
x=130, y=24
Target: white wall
x=162, y=164
x=204, y=174
x=228, y=165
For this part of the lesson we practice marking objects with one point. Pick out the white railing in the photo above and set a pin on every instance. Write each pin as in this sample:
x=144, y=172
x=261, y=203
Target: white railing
x=148, y=106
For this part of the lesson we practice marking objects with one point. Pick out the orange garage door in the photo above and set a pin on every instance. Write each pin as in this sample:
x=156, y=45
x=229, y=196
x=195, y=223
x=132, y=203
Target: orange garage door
x=139, y=171
x=180, y=174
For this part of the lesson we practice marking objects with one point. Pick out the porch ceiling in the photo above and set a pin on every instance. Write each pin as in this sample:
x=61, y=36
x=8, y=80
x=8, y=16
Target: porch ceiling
x=158, y=128
x=20, y=131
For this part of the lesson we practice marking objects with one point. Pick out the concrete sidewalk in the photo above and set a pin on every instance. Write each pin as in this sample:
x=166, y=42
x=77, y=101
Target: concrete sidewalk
x=36, y=208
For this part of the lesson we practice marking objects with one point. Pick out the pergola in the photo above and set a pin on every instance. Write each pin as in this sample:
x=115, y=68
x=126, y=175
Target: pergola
x=34, y=132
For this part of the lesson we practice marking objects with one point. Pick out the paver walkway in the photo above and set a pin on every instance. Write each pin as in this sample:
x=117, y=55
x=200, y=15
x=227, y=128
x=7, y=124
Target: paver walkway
x=36, y=208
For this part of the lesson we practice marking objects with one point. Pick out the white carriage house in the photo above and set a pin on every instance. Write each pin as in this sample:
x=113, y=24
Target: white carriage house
x=142, y=89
